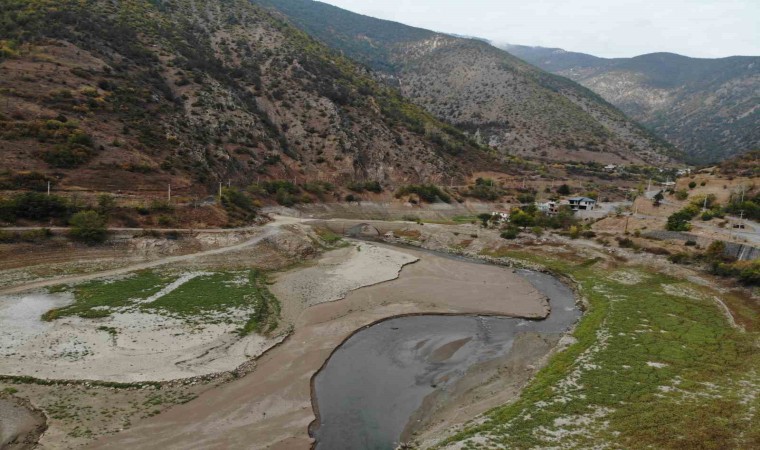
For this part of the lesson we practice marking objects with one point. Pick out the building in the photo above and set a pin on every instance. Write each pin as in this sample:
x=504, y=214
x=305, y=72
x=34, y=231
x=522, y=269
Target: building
x=498, y=216
x=550, y=208
x=581, y=203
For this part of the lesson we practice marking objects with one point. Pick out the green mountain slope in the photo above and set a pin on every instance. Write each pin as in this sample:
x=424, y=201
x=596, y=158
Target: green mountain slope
x=710, y=108
x=498, y=98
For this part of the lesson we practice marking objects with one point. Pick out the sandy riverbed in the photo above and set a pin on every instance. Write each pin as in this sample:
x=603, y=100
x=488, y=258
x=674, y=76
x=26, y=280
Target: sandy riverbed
x=125, y=347
x=271, y=407
x=20, y=425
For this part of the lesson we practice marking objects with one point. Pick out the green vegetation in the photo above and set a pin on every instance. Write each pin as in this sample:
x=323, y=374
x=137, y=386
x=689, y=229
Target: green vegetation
x=485, y=189
x=97, y=298
x=34, y=206
x=30, y=236
x=239, y=206
x=429, y=193
x=88, y=227
x=361, y=186
x=679, y=221
x=656, y=365
x=208, y=297
x=328, y=236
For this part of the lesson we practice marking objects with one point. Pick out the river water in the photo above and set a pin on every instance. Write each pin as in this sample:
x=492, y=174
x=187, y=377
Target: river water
x=376, y=380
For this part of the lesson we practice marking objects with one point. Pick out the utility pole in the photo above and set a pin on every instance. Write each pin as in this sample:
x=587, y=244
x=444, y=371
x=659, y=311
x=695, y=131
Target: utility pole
x=48, y=189
x=220, y=190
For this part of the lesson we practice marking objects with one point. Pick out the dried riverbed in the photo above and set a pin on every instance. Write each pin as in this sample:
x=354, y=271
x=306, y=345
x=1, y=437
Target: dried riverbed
x=271, y=407
x=375, y=381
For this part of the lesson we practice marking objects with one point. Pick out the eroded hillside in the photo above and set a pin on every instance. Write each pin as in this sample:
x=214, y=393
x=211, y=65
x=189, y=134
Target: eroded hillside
x=137, y=94
x=500, y=100
x=709, y=108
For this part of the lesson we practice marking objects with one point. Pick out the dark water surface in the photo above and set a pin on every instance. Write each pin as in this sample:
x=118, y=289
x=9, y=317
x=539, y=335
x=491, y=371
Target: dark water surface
x=378, y=378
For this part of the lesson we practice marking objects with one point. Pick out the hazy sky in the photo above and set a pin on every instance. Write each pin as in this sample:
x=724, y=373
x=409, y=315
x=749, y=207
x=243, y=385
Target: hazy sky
x=699, y=28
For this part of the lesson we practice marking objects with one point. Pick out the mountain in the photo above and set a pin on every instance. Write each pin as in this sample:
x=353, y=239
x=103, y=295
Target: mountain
x=134, y=95
x=709, y=108
x=499, y=99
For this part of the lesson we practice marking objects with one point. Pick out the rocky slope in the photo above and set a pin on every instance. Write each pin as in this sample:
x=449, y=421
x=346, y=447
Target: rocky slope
x=710, y=108
x=499, y=99
x=134, y=95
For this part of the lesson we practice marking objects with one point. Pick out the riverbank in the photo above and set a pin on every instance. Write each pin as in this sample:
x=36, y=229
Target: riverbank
x=272, y=406
x=21, y=425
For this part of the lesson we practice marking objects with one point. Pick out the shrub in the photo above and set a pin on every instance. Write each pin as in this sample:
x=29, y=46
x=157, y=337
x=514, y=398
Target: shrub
x=679, y=258
x=38, y=206
x=88, y=227
x=510, y=233
x=66, y=156
x=692, y=185
x=626, y=243
x=682, y=195
x=563, y=190
x=361, y=186
x=679, y=221
x=520, y=218
x=429, y=193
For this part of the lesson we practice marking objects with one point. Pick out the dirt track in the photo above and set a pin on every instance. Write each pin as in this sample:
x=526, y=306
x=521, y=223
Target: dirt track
x=267, y=231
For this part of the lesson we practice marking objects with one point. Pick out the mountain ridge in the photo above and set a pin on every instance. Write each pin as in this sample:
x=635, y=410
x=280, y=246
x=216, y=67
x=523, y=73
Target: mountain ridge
x=708, y=107
x=509, y=104
x=141, y=94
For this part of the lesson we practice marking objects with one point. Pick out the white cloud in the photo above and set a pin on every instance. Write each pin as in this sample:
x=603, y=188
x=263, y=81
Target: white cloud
x=699, y=28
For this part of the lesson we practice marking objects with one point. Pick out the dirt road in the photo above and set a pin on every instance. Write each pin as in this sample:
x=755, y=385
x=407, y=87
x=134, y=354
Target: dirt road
x=267, y=230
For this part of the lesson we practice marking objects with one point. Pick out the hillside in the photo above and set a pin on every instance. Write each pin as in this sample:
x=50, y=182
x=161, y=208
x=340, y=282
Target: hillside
x=133, y=95
x=709, y=108
x=497, y=98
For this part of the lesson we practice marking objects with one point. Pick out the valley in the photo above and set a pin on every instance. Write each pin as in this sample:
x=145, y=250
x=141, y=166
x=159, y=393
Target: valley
x=278, y=224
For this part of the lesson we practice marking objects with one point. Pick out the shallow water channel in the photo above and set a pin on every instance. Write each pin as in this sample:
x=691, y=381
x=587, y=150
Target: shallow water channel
x=376, y=380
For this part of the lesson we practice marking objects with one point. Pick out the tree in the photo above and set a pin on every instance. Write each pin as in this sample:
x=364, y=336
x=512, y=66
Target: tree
x=679, y=221
x=520, y=218
x=88, y=227
x=106, y=204
x=563, y=190
x=658, y=198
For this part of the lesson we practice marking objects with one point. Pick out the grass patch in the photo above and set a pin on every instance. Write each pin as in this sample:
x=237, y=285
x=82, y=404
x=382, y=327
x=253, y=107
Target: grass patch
x=240, y=297
x=97, y=298
x=649, y=370
x=206, y=295
x=328, y=236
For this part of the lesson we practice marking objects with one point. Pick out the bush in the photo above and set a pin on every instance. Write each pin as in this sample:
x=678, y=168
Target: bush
x=88, y=227
x=679, y=221
x=563, y=190
x=682, y=195
x=429, y=193
x=626, y=243
x=371, y=186
x=692, y=185
x=37, y=206
x=510, y=233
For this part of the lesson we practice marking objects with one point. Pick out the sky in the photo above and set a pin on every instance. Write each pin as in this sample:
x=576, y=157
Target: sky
x=607, y=28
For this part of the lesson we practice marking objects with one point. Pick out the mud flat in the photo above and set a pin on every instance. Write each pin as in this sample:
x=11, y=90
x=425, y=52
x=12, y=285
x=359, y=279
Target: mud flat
x=271, y=407
x=375, y=381
x=20, y=425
